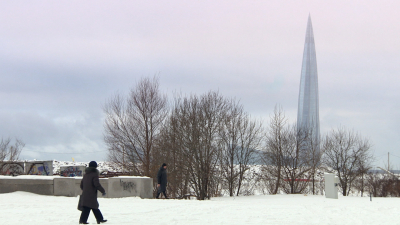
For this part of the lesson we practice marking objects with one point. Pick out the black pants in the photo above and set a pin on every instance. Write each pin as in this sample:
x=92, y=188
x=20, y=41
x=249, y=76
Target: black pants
x=85, y=214
x=159, y=192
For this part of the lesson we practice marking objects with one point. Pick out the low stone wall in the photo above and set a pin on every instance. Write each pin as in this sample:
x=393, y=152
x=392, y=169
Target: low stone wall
x=115, y=187
x=37, y=186
x=64, y=186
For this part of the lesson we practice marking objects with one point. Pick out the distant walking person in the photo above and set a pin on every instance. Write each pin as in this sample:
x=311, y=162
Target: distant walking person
x=90, y=184
x=162, y=180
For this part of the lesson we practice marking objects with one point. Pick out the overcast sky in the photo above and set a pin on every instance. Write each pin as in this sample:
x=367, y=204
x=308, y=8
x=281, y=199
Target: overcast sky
x=61, y=60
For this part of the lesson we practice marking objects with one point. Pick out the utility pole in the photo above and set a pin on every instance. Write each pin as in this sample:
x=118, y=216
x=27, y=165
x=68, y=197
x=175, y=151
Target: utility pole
x=388, y=162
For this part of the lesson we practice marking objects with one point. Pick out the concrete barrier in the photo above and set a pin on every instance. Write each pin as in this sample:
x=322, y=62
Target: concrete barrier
x=37, y=186
x=123, y=187
x=105, y=184
x=64, y=186
x=130, y=186
x=147, y=188
x=77, y=187
x=115, y=187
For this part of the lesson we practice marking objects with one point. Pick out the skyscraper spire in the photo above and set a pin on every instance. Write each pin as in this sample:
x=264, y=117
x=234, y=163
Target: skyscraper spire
x=308, y=108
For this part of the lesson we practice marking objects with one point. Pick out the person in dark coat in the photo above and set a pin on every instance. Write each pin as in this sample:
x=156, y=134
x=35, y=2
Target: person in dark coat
x=162, y=180
x=90, y=184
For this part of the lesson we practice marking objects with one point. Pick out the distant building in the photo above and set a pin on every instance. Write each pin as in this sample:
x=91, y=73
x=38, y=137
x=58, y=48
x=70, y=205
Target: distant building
x=308, y=108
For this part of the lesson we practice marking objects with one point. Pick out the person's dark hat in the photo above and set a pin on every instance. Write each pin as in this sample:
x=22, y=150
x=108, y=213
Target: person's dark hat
x=164, y=164
x=93, y=164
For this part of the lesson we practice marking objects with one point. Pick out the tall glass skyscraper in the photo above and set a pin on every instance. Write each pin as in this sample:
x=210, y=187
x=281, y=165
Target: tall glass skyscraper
x=308, y=108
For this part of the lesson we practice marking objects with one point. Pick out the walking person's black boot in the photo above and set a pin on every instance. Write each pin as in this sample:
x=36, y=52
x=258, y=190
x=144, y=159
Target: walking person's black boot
x=101, y=221
x=158, y=194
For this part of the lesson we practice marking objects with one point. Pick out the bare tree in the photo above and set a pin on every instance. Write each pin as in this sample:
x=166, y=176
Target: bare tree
x=275, y=143
x=250, y=141
x=196, y=140
x=360, y=181
x=310, y=154
x=229, y=135
x=198, y=123
x=292, y=156
x=4, y=148
x=132, y=125
x=241, y=137
x=9, y=155
x=315, y=158
x=348, y=154
x=296, y=159
x=381, y=183
x=10, y=152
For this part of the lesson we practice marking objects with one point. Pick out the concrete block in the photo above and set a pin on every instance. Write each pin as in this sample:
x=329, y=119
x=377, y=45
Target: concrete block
x=22, y=181
x=77, y=186
x=147, y=188
x=42, y=187
x=130, y=186
x=331, y=185
x=104, y=183
x=64, y=186
x=123, y=187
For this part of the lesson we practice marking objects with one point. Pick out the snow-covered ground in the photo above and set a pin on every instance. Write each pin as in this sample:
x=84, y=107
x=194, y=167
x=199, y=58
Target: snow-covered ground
x=25, y=208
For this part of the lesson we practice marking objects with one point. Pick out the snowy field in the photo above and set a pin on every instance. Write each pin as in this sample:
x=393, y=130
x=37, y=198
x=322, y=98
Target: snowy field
x=25, y=208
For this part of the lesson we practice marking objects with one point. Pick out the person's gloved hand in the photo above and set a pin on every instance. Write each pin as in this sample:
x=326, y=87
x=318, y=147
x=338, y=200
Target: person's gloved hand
x=104, y=194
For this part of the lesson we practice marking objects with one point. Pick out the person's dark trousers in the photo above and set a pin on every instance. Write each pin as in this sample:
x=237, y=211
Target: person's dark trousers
x=85, y=214
x=158, y=194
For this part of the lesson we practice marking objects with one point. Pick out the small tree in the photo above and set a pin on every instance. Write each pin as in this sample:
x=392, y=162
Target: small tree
x=315, y=160
x=348, y=154
x=241, y=137
x=275, y=143
x=296, y=159
x=9, y=154
x=132, y=125
x=198, y=122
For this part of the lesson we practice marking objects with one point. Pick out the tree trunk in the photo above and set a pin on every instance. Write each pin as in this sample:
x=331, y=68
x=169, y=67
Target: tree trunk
x=278, y=181
x=344, y=190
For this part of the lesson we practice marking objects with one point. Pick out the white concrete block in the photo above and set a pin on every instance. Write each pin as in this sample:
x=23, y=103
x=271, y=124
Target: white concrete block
x=331, y=185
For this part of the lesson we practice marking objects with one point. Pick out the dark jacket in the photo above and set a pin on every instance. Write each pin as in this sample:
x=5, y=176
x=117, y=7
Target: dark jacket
x=90, y=184
x=162, y=179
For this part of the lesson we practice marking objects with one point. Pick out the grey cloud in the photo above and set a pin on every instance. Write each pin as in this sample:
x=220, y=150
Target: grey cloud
x=60, y=61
